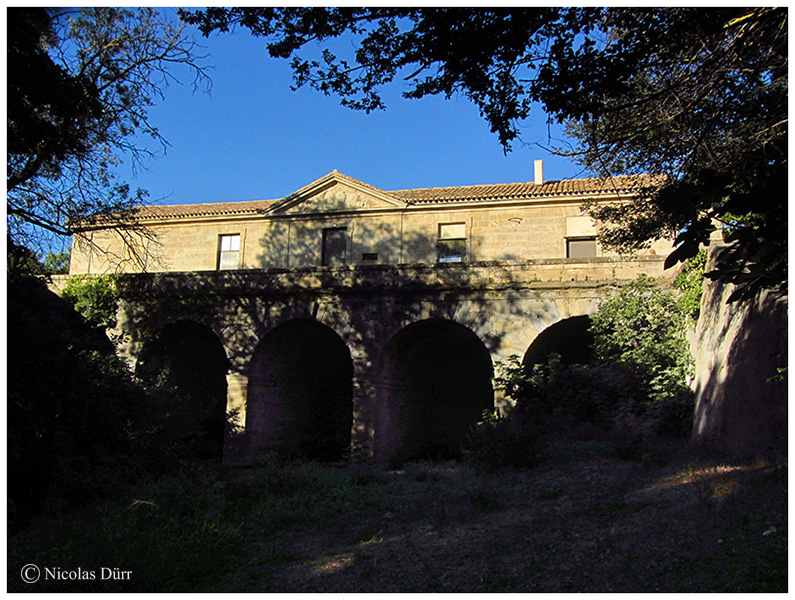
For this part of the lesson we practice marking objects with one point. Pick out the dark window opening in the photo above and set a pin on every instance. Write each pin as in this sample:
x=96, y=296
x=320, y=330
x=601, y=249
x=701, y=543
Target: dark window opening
x=335, y=247
x=369, y=256
x=570, y=338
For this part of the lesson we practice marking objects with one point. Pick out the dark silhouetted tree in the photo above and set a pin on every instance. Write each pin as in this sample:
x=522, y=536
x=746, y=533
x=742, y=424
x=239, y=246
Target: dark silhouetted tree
x=97, y=70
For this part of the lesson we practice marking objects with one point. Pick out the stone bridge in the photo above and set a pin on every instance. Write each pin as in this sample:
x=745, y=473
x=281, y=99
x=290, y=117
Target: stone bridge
x=387, y=361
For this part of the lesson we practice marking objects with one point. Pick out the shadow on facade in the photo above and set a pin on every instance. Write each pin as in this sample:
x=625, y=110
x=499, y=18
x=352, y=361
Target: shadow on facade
x=318, y=349
x=300, y=241
x=300, y=397
x=323, y=359
x=434, y=383
x=187, y=362
x=569, y=338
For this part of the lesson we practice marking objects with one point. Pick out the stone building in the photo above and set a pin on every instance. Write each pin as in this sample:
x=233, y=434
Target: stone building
x=338, y=221
x=346, y=318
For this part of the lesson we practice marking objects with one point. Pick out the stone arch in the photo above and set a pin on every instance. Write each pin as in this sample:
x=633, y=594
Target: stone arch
x=299, y=396
x=570, y=338
x=434, y=381
x=188, y=358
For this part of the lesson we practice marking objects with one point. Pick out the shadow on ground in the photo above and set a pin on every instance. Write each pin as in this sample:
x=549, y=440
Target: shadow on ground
x=581, y=523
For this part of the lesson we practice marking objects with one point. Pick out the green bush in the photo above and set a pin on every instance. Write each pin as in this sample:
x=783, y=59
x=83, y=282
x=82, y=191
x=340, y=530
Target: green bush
x=73, y=411
x=94, y=297
x=635, y=388
x=690, y=282
x=79, y=425
x=673, y=416
x=643, y=330
x=562, y=397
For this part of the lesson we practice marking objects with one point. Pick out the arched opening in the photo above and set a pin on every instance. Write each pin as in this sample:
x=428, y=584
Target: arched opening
x=188, y=364
x=300, y=392
x=434, y=384
x=570, y=338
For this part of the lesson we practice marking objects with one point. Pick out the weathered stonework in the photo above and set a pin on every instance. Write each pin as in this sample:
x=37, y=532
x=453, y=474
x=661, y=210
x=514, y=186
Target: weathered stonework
x=505, y=305
x=502, y=222
x=417, y=339
x=741, y=380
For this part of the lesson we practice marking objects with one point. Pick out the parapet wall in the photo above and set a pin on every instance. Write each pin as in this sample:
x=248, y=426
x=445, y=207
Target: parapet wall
x=532, y=274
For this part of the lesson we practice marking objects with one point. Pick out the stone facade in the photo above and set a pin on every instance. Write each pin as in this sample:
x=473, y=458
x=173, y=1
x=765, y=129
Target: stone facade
x=498, y=223
x=367, y=319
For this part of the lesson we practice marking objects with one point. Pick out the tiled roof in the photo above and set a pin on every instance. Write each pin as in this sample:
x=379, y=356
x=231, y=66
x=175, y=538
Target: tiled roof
x=623, y=185
x=213, y=209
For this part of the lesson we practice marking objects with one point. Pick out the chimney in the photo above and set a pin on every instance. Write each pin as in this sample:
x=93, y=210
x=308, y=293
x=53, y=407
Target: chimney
x=539, y=172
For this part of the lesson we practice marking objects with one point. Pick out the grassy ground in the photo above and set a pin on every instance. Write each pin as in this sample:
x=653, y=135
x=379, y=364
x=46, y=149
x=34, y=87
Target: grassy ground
x=584, y=521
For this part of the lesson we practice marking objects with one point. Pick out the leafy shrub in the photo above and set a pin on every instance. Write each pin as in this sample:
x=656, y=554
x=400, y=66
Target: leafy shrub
x=643, y=330
x=562, y=397
x=94, y=297
x=593, y=398
x=72, y=407
x=673, y=416
x=635, y=388
x=78, y=423
x=690, y=282
x=498, y=442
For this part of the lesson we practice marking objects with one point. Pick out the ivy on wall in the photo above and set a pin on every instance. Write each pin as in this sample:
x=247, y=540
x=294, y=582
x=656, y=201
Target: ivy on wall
x=690, y=282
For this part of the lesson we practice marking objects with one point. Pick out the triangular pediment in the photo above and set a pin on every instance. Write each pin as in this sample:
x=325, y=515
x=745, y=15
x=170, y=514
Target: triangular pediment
x=335, y=193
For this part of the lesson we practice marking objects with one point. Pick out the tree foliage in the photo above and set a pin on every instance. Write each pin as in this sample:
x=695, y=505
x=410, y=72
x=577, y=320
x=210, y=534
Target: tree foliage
x=95, y=298
x=643, y=330
x=636, y=385
x=690, y=283
x=707, y=108
x=695, y=96
x=56, y=263
x=23, y=263
x=97, y=72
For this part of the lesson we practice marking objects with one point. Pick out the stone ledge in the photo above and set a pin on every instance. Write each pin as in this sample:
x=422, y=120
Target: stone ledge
x=490, y=276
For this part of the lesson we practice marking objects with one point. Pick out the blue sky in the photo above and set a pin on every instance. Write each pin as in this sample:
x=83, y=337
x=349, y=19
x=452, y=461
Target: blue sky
x=254, y=138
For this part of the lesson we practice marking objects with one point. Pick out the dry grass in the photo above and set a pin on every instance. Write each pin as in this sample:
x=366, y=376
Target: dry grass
x=582, y=524
x=583, y=521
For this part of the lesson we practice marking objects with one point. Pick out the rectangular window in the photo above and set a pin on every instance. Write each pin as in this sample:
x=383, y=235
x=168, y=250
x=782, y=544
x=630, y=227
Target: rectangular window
x=452, y=243
x=228, y=252
x=335, y=247
x=581, y=247
x=369, y=256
